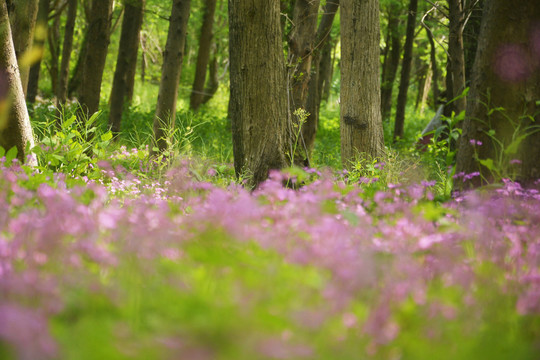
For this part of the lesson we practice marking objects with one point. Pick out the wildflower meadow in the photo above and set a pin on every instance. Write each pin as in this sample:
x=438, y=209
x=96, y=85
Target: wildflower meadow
x=180, y=266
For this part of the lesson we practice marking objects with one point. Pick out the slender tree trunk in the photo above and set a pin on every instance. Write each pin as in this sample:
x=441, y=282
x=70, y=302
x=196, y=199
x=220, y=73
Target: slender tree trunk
x=53, y=38
x=391, y=62
x=258, y=103
x=213, y=78
x=75, y=81
x=96, y=54
x=421, y=80
x=470, y=38
x=23, y=21
x=301, y=43
x=126, y=62
x=203, y=57
x=456, y=62
x=434, y=69
x=360, y=120
x=15, y=128
x=405, y=70
x=321, y=61
x=39, y=45
x=62, y=89
x=170, y=73
x=506, y=79
x=327, y=67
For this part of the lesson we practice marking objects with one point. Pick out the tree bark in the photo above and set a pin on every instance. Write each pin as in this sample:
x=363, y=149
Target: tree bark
x=470, y=37
x=301, y=43
x=170, y=73
x=203, y=57
x=456, y=61
x=258, y=103
x=53, y=38
x=126, y=62
x=434, y=69
x=96, y=54
x=506, y=75
x=391, y=61
x=15, y=128
x=360, y=119
x=67, y=48
x=405, y=70
x=321, y=61
x=39, y=44
x=23, y=22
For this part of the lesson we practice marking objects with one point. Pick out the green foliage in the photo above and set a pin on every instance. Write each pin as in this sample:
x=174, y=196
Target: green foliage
x=71, y=146
x=503, y=164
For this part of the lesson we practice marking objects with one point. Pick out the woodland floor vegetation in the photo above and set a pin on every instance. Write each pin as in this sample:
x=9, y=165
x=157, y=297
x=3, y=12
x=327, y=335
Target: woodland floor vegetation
x=242, y=193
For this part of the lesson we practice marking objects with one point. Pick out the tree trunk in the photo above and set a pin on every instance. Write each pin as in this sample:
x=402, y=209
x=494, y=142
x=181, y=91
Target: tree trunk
x=170, y=73
x=75, y=81
x=360, y=120
x=258, y=103
x=126, y=62
x=39, y=45
x=301, y=43
x=506, y=78
x=23, y=21
x=391, y=61
x=213, y=79
x=434, y=69
x=53, y=38
x=327, y=66
x=96, y=54
x=322, y=59
x=405, y=70
x=62, y=89
x=203, y=57
x=456, y=61
x=470, y=37
x=15, y=128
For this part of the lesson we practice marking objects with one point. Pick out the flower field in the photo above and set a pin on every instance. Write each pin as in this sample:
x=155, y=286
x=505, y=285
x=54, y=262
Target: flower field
x=181, y=268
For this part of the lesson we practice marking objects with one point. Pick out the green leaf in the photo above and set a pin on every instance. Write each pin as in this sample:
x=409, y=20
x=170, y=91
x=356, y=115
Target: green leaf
x=488, y=163
x=2, y=151
x=107, y=136
x=11, y=154
x=514, y=145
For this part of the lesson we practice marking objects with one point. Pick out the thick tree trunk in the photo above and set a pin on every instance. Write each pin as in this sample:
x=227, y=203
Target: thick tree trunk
x=170, y=73
x=258, y=103
x=506, y=78
x=391, y=61
x=126, y=62
x=405, y=70
x=203, y=57
x=456, y=61
x=321, y=61
x=361, y=123
x=62, y=89
x=39, y=45
x=96, y=54
x=15, y=128
x=23, y=20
